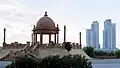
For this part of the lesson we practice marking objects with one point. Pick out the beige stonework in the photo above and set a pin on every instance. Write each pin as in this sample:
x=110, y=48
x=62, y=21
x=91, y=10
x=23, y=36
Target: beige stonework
x=37, y=49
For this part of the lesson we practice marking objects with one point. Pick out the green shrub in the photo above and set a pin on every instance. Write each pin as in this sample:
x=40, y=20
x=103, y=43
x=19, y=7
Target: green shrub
x=24, y=62
x=104, y=53
x=112, y=53
x=117, y=53
x=89, y=50
x=68, y=46
x=75, y=61
x=50, y=62
x=70, y=61
x=99, y=53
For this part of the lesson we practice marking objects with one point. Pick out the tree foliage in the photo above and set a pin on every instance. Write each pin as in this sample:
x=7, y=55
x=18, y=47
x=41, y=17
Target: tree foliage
x=117, y=53
x=23, y=62
x=69, y=61
x=89, y=50
x=68, y=46
x=104, y=53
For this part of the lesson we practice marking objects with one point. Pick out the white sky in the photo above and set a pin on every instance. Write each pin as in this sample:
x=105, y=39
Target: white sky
x=19, y=16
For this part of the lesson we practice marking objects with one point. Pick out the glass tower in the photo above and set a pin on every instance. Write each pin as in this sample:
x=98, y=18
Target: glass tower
x=92, y=35
x=109, y=35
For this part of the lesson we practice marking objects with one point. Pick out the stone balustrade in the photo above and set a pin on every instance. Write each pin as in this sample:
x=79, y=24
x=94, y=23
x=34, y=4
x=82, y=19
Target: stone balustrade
x=52, y=45
x=14, y=45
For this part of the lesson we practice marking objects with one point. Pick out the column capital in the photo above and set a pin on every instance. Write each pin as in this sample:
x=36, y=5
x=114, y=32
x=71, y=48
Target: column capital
x=4, y=29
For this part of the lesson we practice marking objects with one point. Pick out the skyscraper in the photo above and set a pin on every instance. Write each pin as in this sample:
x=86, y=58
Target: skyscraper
x=113, y=36
x=88, y=37
x=92, y=35
x=95, y=34
x=109, y=35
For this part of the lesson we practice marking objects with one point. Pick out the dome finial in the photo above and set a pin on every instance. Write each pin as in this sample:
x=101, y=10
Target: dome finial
x=45, y=13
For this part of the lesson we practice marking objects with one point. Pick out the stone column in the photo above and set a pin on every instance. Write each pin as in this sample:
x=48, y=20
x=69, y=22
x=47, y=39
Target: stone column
x=35, y=38
x=34, y=35
x=80, y=41
x=64, y=33
x=55, y=38
x=4, y=42
x=57, y=33
x=49, y=38
x=41, y=38
x=32, y=40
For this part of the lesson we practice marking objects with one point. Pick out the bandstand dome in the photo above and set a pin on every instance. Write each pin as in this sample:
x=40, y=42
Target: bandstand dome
x=45, y=23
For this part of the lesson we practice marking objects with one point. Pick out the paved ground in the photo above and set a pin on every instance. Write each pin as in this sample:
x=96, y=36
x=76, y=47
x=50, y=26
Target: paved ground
x=4, y=63
x=106, y=63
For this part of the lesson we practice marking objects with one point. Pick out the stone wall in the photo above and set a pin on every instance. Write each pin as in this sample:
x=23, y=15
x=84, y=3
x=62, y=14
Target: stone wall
x=14, y=45
x=52, y=45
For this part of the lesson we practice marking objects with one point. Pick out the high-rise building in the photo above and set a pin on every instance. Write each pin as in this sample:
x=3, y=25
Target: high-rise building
x=95, y=34
x=92, y=35
x=107, y=38
x=113, y=36
x=88, y=37
x=109, y=35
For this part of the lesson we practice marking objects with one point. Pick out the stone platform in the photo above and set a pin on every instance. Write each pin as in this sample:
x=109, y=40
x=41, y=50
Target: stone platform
x=60, y=51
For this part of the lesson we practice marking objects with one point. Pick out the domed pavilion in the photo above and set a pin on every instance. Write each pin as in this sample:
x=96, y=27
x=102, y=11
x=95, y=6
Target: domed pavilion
x=45, y=26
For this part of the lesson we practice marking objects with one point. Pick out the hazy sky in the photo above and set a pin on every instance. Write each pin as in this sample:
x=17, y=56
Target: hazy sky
x=19, y=16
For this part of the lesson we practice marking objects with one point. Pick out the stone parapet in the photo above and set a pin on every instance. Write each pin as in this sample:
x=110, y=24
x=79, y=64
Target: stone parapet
x=15, y=45
x=44, y=46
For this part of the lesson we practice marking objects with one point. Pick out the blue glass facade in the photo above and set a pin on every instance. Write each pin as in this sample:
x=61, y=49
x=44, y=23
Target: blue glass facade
x=92, y=35
x=109, y=35
x=113, y=36
x=88, y=37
